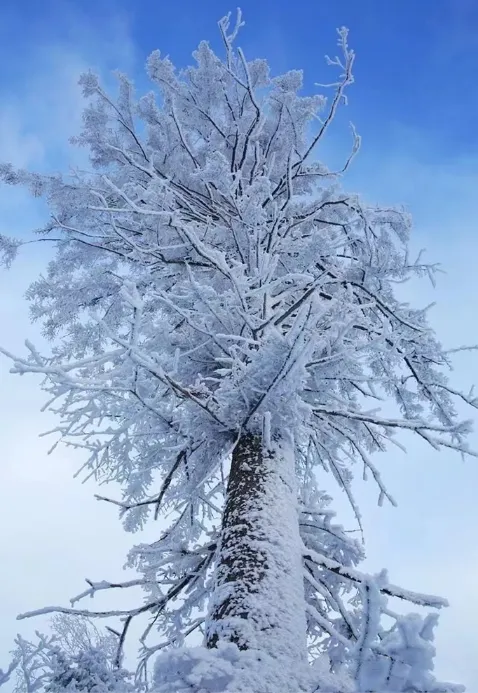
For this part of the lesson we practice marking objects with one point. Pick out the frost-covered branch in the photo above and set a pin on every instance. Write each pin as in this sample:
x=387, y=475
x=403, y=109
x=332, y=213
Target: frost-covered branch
x=213, y=285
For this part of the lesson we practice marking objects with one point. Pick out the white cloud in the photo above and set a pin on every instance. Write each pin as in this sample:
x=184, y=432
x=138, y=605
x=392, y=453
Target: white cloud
x=44, y=107
x=16, y=146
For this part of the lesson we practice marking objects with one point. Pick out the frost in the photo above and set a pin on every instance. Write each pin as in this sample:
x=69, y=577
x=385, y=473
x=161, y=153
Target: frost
x=216, y=292
x=8, y=250
x=75, y=658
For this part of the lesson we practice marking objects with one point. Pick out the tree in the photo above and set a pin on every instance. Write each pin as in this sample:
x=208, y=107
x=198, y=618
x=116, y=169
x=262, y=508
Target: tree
x=75, y=657
x=221, y=314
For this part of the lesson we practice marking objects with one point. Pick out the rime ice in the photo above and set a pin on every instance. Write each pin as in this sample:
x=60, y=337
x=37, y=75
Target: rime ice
x=214, y=289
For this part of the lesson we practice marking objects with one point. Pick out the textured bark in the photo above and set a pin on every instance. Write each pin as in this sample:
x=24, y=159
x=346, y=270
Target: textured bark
x=258, y=601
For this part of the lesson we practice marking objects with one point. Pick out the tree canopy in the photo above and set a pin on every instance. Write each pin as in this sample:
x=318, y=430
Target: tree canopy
x=214, y=286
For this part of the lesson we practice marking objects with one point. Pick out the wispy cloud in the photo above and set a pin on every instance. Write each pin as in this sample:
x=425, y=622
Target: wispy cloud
x=43, y=108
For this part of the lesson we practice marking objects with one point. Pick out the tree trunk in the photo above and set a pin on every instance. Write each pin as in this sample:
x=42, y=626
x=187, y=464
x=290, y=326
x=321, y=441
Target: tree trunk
x=258, y=601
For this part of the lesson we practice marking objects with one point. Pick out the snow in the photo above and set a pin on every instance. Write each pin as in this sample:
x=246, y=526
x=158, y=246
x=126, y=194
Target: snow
x=260, y=570
x=213, y=283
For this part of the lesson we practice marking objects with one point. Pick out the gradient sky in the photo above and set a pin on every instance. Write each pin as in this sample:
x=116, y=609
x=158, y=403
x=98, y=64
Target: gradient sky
x=415, y=103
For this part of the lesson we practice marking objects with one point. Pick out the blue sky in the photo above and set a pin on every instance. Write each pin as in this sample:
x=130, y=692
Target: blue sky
x=417, y=61
x=415, y=104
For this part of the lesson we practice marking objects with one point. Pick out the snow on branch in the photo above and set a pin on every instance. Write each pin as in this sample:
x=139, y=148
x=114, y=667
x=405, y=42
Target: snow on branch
x=213, y=279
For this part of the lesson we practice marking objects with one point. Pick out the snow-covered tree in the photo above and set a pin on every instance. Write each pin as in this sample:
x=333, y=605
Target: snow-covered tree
x=225, y=327
x=75, y=657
